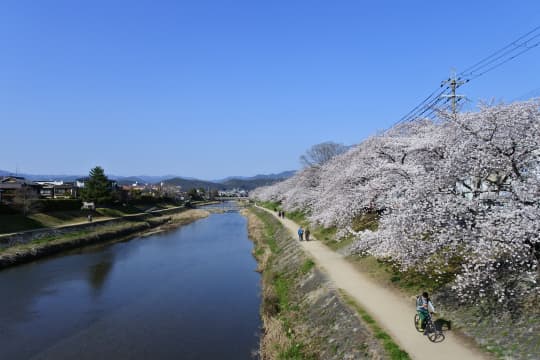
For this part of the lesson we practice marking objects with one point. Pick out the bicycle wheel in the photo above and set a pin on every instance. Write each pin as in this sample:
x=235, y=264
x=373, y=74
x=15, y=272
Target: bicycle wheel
x=436, y=336
x=417, y=323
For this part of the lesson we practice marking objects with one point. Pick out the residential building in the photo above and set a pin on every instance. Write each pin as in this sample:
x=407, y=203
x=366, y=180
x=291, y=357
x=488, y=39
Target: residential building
x=10, y=186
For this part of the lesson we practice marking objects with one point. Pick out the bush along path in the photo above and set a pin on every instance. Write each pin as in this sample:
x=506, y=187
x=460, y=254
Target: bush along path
x=392, y=312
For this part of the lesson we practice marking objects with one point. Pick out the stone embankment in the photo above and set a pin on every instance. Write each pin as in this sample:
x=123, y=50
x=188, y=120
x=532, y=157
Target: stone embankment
x=303, y=314
x=30, y=246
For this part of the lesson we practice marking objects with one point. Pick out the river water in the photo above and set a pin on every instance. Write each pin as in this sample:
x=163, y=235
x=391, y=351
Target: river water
x=191, y=293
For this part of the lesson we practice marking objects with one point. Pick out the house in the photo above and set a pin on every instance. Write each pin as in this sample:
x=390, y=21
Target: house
x=58, y=189
x=68, y=190
x=10, y=186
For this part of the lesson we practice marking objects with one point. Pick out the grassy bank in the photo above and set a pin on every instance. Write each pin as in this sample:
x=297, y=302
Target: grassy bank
x=304, y=318
x=50, y=245
x=279, y=341
x=14, y=221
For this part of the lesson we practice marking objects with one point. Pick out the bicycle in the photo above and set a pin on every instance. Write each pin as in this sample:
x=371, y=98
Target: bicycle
x=434, y=335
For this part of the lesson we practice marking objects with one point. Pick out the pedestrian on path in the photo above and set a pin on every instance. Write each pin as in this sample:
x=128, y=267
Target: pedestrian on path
x=300, y=233
x=307, y=232
x=283, y=214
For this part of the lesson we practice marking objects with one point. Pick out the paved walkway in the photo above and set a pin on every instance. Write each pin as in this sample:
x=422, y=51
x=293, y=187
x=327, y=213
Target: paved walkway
x=389, y=310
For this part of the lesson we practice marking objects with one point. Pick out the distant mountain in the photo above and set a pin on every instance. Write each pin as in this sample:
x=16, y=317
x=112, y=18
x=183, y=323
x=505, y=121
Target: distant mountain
x=250, y=183
x=280, y=176
x=143, y=179
x=140, y=179
x=236, y=182
x=233, y=182
x=187, y=184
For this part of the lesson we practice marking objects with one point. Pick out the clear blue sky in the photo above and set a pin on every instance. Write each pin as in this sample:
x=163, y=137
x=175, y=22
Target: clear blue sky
x=216, y=88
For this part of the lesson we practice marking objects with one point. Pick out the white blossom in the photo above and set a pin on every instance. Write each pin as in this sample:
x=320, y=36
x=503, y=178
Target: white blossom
x=463, y=188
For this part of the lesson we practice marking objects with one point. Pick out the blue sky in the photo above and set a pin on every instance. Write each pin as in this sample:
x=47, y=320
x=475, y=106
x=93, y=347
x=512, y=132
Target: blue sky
x=216, y=88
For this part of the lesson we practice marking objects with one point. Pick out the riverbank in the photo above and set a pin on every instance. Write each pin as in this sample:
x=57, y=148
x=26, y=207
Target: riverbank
x=120, y=229
x=303, y=315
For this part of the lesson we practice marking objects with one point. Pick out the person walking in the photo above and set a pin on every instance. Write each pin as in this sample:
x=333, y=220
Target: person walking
x=300, y=233
x=307, y=232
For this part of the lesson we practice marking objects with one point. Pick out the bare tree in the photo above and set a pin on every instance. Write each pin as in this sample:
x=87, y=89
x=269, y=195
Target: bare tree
x=319, y=154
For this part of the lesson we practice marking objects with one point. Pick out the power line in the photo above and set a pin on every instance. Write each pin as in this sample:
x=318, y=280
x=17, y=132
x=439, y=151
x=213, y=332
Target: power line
x=489, y=63
x=430, y=96
x=513, y=45
x=504, y=61
x=429, y=102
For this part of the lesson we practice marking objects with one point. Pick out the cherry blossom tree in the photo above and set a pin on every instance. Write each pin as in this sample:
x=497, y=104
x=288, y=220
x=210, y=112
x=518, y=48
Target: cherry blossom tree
x=463, y=190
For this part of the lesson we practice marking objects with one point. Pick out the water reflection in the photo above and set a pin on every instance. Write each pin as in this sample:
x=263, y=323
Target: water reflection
x=98, y=273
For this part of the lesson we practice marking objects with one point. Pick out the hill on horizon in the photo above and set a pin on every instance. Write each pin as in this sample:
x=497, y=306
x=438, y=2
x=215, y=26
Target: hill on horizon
x=232, y=182
x=244, y=183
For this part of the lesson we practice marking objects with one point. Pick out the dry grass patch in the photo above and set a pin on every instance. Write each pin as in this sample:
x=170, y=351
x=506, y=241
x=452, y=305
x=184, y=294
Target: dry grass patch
x=274, y=340
x=256, y=233
x=188, y=216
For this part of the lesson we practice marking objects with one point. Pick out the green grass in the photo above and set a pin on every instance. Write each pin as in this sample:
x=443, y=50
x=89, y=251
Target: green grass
x=325, y=234
x=258, y=252
x=307, y=266
x=282, y=285
x=107, y=212
x=393, y=349
x=298, y=217
x=295, y=352
x=10, y=223
x=17, y=222
x=270, y=205
x=271, y=242
x=411, y=282
x=58, y=218
x=366, y=221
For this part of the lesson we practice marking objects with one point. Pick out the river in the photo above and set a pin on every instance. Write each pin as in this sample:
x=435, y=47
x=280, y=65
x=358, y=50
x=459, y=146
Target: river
x=191, y=293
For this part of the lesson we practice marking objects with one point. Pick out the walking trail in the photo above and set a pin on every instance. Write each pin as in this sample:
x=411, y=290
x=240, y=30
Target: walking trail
x=391, y=311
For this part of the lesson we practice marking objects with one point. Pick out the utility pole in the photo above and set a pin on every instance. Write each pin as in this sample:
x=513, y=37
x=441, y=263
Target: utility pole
x=454, y=84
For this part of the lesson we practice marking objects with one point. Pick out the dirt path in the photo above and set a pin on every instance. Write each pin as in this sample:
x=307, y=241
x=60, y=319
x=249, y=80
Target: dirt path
x=389, y=310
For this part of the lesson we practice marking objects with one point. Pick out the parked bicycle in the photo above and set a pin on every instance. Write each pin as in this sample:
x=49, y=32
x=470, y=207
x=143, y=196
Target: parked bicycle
x=433, y=334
